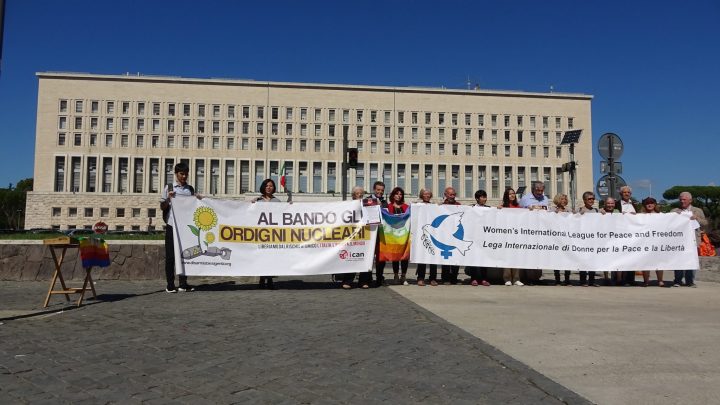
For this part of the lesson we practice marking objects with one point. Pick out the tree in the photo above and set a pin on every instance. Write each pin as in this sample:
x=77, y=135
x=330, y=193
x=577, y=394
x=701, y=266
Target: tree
x=12, y=204
x=705, y=197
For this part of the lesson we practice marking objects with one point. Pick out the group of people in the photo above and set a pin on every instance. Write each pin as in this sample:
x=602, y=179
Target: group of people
x=396, y=205
x=535, y=200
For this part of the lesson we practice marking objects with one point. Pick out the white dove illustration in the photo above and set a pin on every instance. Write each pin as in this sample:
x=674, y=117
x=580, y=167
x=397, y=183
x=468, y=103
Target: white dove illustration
x=444, y=235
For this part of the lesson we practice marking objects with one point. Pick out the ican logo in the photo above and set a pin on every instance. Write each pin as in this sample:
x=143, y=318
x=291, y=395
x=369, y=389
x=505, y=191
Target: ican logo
x=350, y=256
x=444, y=235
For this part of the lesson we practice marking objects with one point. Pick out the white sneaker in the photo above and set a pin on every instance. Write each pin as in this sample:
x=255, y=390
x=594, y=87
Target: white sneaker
x=519, y=283
x=508, y=283
x=170, y=291
x=406, y=283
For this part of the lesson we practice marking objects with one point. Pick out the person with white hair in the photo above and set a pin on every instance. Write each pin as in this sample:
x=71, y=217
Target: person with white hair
x=693, y=213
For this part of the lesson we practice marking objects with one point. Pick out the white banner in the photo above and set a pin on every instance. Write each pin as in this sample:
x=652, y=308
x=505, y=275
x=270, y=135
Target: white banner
x=230, y=238
x=519, y=238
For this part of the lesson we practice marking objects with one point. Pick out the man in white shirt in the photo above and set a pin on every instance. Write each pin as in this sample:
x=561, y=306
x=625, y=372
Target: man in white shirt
x=626, y=204
x=693, y=213
x=536, y=200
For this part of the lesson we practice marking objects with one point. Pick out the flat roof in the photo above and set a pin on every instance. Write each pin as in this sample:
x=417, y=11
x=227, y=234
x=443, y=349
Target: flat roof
x=254, y=83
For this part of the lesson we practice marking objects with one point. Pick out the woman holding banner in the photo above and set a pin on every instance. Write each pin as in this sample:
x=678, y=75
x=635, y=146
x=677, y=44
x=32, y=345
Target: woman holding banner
x=394, y=246
x=650, y=207
x=426, y=198
x=560, y=204
x=511, y=276
x=267, y=194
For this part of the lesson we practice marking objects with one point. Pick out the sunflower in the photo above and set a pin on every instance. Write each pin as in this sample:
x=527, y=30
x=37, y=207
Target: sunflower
x=209, y=237
x=205, y=218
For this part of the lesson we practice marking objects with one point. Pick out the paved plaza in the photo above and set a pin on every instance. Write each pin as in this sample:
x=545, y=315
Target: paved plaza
x=308, y=342
x=312, y=342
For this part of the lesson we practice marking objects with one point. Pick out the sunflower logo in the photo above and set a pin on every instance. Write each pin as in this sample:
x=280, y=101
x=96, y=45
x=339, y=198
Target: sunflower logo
x=205, y=219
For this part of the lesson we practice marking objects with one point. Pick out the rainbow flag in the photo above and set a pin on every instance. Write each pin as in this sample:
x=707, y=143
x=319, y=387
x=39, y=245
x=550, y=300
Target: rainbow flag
x=94, y=252
x=394, y=236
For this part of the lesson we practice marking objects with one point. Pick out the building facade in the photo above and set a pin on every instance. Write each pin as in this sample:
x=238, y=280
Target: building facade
x=106, y=144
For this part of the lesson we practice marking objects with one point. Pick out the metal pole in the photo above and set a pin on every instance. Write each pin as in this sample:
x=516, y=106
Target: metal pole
x=573, y=192
x=344, y=170
x=611, y=170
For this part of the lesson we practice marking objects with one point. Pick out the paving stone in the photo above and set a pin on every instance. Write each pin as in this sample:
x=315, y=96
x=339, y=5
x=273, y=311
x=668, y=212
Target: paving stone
x=308, y=342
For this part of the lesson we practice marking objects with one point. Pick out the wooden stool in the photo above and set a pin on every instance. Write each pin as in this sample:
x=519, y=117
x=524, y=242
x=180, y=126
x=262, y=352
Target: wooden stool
x=61, y=245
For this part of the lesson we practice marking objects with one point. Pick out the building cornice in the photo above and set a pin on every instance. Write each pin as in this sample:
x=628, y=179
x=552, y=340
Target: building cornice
x=316, y=86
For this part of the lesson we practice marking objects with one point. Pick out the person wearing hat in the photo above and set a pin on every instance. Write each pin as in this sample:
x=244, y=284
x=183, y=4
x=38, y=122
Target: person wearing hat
x=649, y=206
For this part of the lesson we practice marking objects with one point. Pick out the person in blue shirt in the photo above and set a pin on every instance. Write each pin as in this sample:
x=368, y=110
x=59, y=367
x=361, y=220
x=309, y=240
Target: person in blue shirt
x=536, y=200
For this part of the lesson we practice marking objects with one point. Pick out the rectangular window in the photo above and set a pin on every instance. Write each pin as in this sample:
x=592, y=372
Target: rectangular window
x=77, y=139
x=156, y=109
x=59, y=173
x=75, y=164
x=122, y=183
x=141, y=108
x=110, y=107
x=138, y=174
x=229, y=177
x=214, y=175
x=200, y=175
x=245, y=176
x=107, y=174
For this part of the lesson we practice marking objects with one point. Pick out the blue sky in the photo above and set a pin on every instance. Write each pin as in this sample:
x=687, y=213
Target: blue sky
x=652, y=66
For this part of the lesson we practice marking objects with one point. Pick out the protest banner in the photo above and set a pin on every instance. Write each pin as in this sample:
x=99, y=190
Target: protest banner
x=516, y=238
x=229, y=238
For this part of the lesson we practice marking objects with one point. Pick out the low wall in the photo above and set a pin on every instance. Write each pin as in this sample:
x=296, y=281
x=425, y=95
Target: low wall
x=129, y=261
x=133, y=260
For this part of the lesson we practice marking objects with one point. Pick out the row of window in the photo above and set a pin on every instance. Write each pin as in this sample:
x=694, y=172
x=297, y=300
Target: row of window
x=317, y=146
x=232, y=177
x=104, y=212
x=302, y=130
x=116, y=227
x=360, y=116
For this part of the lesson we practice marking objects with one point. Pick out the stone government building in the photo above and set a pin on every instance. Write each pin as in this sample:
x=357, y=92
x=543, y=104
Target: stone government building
x=106, y=144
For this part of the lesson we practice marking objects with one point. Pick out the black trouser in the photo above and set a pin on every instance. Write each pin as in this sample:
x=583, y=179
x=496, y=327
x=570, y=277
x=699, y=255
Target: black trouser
x=450, y=273
x=628, y=277
x=170, y=260
x=401, y=265
x=476, y=273
x=379, y=270
x=364, y=278
x=421, y=271
x=584, y=277
x=557, y=276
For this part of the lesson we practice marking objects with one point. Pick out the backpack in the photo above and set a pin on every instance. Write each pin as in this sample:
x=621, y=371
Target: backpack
x=706, y=248
x=166, y=212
